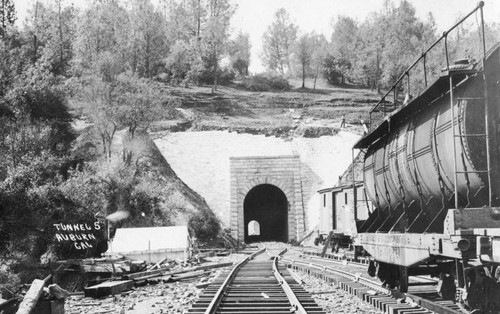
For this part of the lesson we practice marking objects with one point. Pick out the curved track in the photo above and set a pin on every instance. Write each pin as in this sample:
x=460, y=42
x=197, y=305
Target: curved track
x=256, y=285
x=422, y=295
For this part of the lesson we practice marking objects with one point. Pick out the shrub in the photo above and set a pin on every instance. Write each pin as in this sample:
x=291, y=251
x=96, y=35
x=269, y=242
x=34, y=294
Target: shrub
x=224, y=76
x=8, y=280
x=204, y=224
x=266, y=82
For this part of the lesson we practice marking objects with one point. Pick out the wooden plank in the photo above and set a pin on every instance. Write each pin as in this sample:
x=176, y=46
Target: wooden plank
x=145, y=273
x=305, y=237
x=104, y=268
x=229, y=241
x=210, y=266
x=202, y=285
x=188, y=275
x=157, y=265
x=108, y=288
x=31, y=298
x=327, y=243
x=138, y=279
x=162, y=272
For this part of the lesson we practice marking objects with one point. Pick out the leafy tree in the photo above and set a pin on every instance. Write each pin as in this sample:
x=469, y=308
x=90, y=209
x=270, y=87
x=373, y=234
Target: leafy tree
x=215, y=37
x=186, y=19
x=13, y=60
x=203, y=27
x=303, y=52
x=148, y=43
x=95, y=96
x=37, y=120
x=7, y=16
x=239, y=52
x=137, y=102
x=319, y=54
x=334, y=69
x=50, y=29
x=367, y=68
x=278, y=41
x=177, y=62
x=102, y=32
x=344, y=40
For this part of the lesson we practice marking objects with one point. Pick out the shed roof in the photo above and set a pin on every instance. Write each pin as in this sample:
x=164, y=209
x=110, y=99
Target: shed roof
x=149, y=239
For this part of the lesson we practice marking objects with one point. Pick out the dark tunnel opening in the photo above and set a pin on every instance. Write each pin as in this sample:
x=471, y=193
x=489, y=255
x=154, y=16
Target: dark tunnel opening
x=267, y=205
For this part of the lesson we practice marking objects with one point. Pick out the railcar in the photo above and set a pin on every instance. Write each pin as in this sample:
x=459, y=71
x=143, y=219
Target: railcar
x=432, y=171
x=338, y=214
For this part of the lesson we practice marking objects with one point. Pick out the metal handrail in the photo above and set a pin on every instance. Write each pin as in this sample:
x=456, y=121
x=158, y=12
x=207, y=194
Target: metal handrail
x=423, y=56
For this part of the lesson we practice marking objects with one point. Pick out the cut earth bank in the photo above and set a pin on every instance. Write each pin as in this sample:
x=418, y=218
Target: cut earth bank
x=202, y=161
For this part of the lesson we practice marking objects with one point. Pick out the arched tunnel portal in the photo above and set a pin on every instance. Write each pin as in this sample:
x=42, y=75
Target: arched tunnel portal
x=266, y=205
x=266, y=201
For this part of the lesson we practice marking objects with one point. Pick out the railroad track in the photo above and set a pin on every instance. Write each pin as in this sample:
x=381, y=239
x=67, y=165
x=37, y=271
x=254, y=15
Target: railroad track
x=421, y=298
x=256, y=285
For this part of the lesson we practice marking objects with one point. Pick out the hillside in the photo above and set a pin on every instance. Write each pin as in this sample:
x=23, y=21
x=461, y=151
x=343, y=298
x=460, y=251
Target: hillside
x=209, y=129
x=287, y=114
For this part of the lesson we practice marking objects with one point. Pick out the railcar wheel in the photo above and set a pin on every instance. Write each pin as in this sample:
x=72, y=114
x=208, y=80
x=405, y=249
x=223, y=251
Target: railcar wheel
x=393, y=276
x=483, y=290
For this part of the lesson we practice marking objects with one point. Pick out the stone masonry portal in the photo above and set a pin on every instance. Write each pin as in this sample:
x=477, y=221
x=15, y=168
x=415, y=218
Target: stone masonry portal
x=266, y=192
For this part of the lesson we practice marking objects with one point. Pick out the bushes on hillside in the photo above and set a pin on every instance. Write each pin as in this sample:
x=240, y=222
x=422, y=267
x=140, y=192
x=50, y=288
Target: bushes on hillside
x=224, y=76
x=204, y=225
x=266, y=82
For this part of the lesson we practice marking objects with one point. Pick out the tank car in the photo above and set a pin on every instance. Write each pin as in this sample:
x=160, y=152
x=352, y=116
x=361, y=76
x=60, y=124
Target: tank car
x=432, y=171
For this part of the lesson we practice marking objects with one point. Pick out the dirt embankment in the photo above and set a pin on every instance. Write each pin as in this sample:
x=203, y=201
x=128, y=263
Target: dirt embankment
x=295, y=113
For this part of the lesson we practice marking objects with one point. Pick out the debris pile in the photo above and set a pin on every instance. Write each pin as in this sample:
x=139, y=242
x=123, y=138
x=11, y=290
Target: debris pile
x=118, y=285
x=41, y=297
x=156, y=290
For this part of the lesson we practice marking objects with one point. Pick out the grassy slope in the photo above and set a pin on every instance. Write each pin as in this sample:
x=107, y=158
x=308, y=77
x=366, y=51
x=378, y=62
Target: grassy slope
x=274, y=113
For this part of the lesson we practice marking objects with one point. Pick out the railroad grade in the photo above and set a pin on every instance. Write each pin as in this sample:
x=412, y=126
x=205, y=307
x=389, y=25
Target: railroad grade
x=257, y=285
x=351, y=277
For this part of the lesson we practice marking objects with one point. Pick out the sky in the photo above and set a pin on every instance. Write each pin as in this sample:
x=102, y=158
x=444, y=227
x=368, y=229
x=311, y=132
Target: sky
x=254, y=16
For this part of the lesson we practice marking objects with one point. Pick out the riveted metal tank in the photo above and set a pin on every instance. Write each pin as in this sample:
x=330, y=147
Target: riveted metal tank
x=409, y=168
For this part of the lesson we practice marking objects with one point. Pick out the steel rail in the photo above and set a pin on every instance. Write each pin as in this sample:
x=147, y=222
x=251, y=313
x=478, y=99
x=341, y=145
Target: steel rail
x=334, y=261
x=214, y=304
x=369, y=283
x=292, y=298
x=283, y=251
x=421, y=279
x=428, y=304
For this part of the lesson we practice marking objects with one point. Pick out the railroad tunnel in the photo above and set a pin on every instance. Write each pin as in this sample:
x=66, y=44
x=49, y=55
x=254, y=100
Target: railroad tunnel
x=265, y=211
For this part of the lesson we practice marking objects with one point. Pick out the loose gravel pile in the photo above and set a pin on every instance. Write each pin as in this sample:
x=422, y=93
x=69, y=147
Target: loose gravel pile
x=333, y=299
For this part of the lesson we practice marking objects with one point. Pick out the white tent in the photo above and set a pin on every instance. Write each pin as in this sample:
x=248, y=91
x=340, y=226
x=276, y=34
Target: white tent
x=152, y=243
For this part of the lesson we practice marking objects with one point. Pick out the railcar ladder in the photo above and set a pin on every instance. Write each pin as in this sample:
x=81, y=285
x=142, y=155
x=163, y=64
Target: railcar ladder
x=455, y=123
x=486, y=134
x=356, y=199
